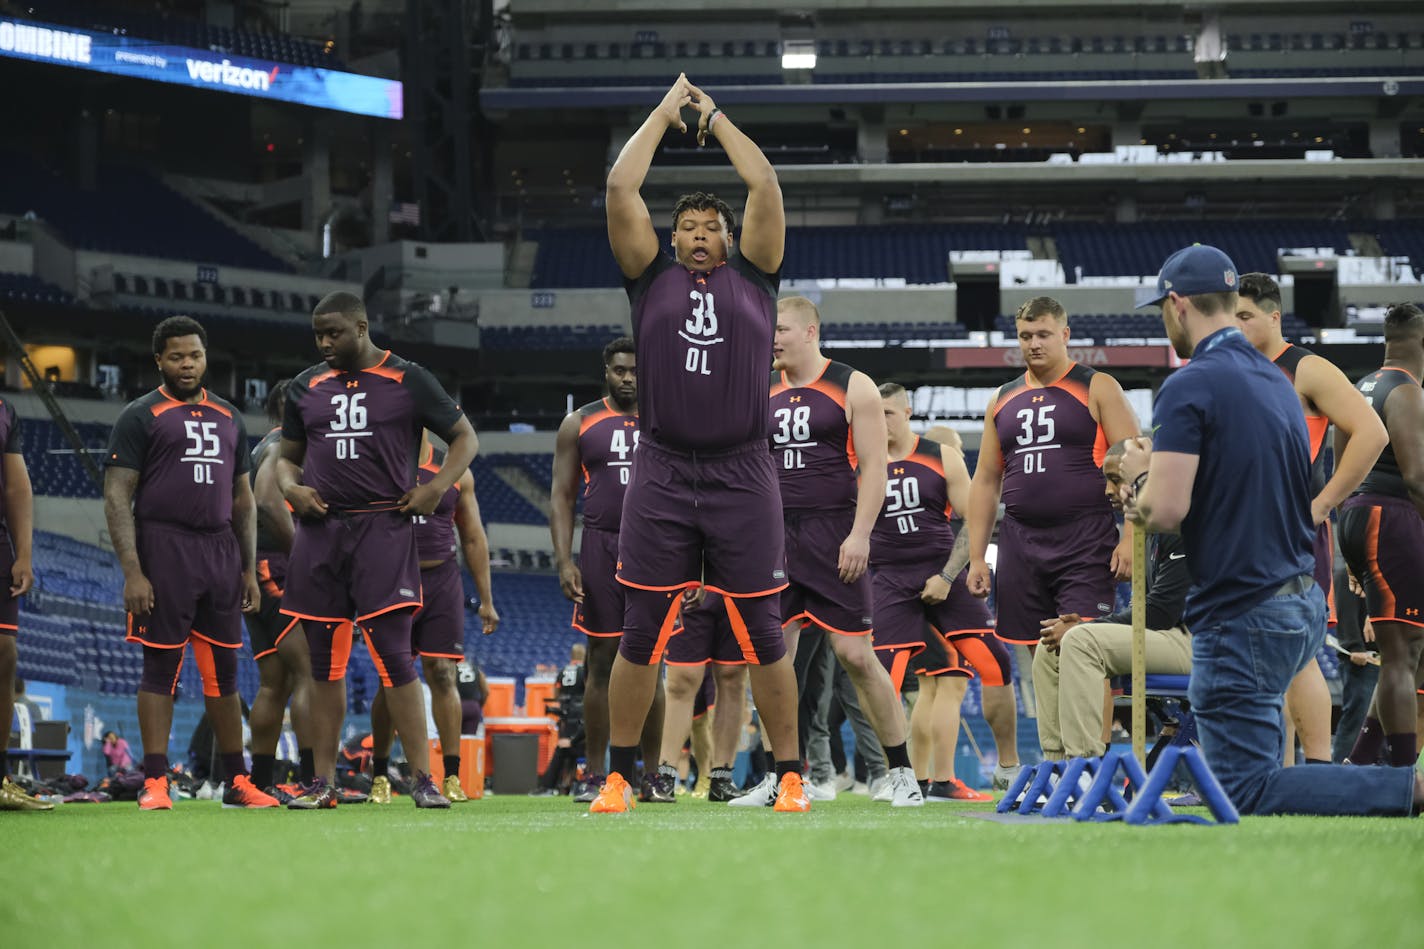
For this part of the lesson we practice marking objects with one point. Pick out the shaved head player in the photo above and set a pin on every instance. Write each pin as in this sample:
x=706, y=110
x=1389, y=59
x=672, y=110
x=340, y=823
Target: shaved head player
x=350, y=442
x=702, y=496
x=597, y=440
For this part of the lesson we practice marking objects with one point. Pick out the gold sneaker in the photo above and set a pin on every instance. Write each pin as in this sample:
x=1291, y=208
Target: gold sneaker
x=452, y=790
x=13, y=798
x=380, y=790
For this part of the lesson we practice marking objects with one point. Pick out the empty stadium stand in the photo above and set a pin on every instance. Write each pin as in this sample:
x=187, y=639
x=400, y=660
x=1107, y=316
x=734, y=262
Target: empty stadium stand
x=105, y=219
x=1139, y=249
x=915, y=253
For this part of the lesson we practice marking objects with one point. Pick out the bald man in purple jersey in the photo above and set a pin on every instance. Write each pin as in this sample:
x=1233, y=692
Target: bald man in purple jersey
x=702, y=498
x=349, y=450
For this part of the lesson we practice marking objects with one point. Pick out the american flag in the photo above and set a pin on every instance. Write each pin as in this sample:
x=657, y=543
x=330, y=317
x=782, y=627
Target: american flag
x=405, y=212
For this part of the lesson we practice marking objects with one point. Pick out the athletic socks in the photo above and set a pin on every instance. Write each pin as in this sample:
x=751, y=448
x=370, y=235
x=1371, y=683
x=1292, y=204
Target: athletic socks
x=784, y=768
x=155, y=766
x=262, y=768
x=897, y=757
x=725, y=773
x=1368, y=744
x=308, y=765
x=623, y=759
x=452, y=765
x=1401, y=750
x=668, y=770
x=380, y=768
x=1317, y=761
x=233, y=765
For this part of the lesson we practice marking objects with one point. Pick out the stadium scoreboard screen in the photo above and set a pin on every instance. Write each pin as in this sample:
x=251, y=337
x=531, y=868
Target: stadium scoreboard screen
x=138, y=58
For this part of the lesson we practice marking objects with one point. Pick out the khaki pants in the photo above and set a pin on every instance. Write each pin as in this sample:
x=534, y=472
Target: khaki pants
x=1070, y=681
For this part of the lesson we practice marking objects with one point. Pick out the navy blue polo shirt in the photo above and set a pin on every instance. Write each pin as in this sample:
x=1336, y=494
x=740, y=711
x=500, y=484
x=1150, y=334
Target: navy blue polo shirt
x=1249, y=528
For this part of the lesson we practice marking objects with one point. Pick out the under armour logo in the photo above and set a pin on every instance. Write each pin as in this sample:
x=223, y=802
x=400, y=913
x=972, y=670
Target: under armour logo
x=1038, y=398
x=142, y=630
x=1411, y=612
x=898, y=471
x=620, y=565
x=795, y=398
x=629, y=424
x=196, y=413
x=353, y=384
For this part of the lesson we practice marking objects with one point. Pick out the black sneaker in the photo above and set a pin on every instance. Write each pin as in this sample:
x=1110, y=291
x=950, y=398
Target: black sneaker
x=659, y=788
x=426, y=794
x=722, y=790
x=282, y=796
x=587, y=789
x=316, y=796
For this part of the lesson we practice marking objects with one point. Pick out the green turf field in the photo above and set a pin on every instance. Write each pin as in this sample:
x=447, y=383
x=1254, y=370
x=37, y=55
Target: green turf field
x=529, y=872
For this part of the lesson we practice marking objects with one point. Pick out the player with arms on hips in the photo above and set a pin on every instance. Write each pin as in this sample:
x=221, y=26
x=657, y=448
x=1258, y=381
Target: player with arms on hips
x=828, y=448
x=350, y=442
x=1327, y=398
x=17, y=519
x=597, y=441
x=1045, y=435
x=180, y=510
x=925, y=616
x=702, y=497
x=437, y=633
x=1382, y=538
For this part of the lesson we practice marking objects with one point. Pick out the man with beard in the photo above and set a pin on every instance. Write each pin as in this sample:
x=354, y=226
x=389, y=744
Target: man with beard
x=180, y=511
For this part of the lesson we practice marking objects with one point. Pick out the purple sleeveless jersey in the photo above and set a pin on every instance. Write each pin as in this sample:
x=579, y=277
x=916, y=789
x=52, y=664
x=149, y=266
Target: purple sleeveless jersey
x=811, y=443
x=188, y=455
x=1053, y=450
x=913, y=525
x=435, y=532
x=704, y=344
x=606, y=441
x=362, y=429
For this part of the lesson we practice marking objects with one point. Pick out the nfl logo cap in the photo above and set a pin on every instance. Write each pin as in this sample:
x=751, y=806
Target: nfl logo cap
x=1190, y=271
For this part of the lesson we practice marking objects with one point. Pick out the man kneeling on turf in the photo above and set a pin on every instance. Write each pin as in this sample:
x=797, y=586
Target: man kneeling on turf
x=1076, y=656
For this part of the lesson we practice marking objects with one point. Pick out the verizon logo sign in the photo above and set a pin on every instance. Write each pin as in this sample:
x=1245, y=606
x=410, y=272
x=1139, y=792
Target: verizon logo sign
x=226, y=74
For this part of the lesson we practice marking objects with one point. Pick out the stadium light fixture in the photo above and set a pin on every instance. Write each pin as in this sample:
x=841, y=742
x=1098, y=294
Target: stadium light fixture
x=798, y=54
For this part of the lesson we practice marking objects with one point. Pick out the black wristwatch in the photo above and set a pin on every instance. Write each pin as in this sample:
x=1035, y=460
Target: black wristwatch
x=946, y=578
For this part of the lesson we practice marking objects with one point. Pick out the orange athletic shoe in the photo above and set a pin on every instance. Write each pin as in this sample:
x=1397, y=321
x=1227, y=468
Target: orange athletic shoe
x=241, y=792
x=615, y=797
x=154, y=796
x=959, y=791
x=792, y=796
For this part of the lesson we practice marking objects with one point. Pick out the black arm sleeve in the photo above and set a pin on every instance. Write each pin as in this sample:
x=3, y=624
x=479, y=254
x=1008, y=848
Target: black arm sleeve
x=243, y=462
x=293, y=428
x=436, y=410
x=128, y=442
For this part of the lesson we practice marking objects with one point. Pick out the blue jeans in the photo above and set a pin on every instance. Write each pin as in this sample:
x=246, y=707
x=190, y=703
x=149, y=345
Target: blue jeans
x=1240, y=669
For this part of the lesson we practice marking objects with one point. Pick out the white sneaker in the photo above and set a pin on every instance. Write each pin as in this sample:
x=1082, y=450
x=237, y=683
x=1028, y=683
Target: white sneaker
x=825, y=791
x=860, y=788
x=206, y=792
x=1004, y=776
x=763, y=795
x=882, y=789
x=844, y=781
x=904, y=789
